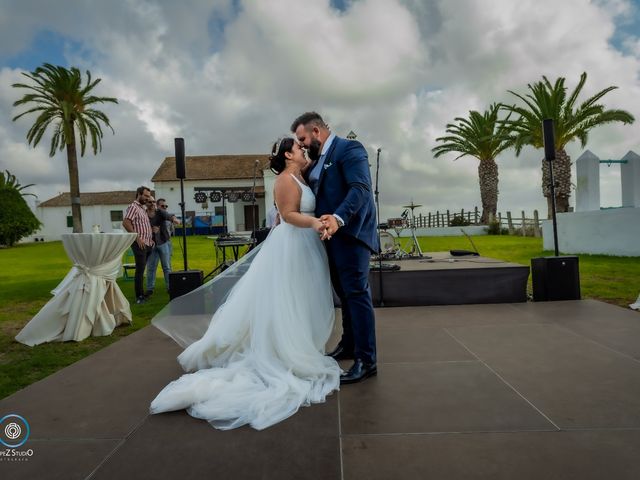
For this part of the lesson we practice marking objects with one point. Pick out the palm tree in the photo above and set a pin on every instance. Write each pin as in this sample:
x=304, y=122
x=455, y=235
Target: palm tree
x=9, y=181
x=59, y=96
x=570, y=122
x=481, y=136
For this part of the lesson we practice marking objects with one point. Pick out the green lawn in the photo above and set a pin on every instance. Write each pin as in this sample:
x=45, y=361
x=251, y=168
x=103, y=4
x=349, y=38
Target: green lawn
x=610, y=279
x=29, y=272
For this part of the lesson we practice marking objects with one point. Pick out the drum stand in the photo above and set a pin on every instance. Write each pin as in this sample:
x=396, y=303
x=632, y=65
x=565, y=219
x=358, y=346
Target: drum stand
x=416, y=251
x=415, y=248
x=400, y=253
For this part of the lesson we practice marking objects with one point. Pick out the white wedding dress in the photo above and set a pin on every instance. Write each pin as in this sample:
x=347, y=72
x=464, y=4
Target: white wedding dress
x=262, y=356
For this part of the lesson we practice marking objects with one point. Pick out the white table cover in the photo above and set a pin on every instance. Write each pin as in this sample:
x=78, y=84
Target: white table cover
x=636, y=304
x=88, y=301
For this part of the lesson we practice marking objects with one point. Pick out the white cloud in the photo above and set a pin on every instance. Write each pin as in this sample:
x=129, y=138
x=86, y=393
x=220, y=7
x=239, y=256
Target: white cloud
x=230, y=76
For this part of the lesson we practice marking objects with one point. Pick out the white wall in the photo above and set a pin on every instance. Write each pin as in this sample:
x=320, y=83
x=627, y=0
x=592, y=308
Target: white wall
x=54, y=220
x=170, y=191
x=471, y=230
x=608, y=232
x=269, y=182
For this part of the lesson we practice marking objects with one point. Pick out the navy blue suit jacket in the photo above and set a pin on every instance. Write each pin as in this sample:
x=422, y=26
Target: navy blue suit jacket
x=344, y=188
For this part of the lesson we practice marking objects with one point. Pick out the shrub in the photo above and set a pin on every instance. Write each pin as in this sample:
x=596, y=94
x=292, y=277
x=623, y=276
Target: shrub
x=459, y=221
x=494, y=228
x=16, y=218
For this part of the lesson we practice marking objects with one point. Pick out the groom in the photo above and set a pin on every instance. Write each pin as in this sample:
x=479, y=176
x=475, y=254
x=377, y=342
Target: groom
x=339, y=176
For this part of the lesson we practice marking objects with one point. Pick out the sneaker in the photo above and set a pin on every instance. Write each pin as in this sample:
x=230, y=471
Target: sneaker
x=148, y=293
x=141, y=300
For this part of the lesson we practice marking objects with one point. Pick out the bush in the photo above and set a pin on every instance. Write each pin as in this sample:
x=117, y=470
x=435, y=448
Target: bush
x=494, y=228
x=16, y=218
x=459, y=221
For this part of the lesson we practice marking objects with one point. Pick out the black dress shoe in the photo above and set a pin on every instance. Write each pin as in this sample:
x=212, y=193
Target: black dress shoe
x=358, y=372
x=341, y=353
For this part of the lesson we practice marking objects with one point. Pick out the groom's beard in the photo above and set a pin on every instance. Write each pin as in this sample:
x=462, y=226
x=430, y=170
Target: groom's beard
x=314, y=150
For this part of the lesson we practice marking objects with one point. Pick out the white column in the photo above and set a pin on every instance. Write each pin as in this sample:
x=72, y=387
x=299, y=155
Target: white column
x=269, y=181
x=588, y=182
x=630, y=180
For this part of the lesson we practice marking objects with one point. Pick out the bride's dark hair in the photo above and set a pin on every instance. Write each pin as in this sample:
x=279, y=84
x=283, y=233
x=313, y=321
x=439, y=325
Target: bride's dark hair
x=277, y=158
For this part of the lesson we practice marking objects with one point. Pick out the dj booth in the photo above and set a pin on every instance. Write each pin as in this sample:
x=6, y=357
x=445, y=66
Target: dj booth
x=232, y=243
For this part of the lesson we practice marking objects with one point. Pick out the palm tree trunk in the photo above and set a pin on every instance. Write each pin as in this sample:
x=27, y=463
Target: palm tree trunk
x=488, y=178
x=74, y=181
x=562, y=181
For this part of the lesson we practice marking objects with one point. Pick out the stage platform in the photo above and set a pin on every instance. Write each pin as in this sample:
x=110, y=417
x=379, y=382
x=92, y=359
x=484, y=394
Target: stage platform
x=523, y=391
x=444, y=279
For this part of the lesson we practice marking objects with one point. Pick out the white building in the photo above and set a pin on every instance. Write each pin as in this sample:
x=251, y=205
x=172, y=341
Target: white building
x=230, y=176
x=104, y=209
x=214, y=180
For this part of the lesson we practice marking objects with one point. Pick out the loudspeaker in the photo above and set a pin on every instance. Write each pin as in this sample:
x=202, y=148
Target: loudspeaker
x=180, y=169
x=183, y=281
x=555, y=278
x=549, y=140
x=260, y=235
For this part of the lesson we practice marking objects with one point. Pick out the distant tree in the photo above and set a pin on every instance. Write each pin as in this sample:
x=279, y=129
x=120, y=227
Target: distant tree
x=483, y=137
x=571, y=122
x=59, y=96
x=7, y=180
x=16, y=218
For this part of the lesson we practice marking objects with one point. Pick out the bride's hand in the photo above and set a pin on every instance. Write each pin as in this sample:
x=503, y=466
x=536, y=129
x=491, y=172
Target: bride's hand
x=320, y=227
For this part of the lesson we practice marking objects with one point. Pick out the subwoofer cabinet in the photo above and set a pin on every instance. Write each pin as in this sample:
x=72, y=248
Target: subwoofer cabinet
x=183, y=281
x=555, y=278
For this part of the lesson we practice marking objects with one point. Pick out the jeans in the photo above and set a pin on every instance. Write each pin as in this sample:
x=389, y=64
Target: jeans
x=141, y=255
x=163, y=253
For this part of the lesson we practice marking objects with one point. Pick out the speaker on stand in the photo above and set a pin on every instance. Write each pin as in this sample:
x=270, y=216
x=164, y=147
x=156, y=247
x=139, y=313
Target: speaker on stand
x=182, y=281
x=558, y=277
x=555, y=278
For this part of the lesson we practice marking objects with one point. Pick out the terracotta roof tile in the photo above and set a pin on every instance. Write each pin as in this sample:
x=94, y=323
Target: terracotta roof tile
x=213, y=167
x=120, y=197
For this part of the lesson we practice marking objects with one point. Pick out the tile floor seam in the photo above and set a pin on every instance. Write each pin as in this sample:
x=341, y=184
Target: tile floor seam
x=442, y=327
x=117, y=447
x=73, y=439
x=452, y=432
x=503, y=380
x=599, y=429
x=606, y=347
x=426, y=362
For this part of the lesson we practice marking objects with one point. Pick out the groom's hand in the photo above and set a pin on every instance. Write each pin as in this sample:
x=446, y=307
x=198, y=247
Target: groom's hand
x=331, y=223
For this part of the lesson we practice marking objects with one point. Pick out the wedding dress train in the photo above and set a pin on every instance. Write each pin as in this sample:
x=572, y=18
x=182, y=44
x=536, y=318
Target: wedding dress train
x=262, y=356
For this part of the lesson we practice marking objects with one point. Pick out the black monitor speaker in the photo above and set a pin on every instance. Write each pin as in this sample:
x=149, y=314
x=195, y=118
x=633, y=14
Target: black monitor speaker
x=184, y=281
x=180, y=169
x=549, y=140
x=555, y=278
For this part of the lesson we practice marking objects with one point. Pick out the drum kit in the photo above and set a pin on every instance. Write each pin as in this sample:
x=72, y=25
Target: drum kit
x=390, y=246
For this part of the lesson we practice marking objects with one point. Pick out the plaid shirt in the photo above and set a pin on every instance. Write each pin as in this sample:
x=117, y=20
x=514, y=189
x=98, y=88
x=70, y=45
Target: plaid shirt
x=140, y=220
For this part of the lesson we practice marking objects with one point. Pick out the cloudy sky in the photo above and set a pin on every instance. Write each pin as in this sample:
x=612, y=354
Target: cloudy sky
x=230, y=75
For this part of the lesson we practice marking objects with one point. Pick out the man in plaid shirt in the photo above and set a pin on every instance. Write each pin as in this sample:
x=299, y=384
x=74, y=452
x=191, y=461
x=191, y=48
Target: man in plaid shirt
x=137, y=221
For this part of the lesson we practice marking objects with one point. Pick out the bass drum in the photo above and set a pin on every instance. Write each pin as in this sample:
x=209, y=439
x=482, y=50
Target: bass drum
x=387, y=242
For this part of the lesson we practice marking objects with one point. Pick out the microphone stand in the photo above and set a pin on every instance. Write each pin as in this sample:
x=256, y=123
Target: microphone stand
x=184, y=225
x=376, y=192
x=253, y=197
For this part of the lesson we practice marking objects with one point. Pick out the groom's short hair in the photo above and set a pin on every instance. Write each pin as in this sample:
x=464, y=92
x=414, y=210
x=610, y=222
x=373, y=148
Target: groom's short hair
x=307, y=118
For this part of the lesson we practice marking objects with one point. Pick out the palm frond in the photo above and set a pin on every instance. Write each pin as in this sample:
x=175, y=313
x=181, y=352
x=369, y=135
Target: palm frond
x=59, y=92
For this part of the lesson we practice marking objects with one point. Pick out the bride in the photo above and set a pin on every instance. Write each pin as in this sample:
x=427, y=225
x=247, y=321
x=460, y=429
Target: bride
x=262, y=356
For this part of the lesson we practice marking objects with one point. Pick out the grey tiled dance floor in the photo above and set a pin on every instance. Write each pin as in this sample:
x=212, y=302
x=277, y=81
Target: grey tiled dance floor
x=504, y=391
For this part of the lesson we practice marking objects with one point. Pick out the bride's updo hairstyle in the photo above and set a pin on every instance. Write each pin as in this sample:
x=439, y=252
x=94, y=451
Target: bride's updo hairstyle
x=277, y=158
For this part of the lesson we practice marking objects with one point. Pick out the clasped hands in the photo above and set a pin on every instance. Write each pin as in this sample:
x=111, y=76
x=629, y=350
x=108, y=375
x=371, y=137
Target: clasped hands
x=327, y=226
